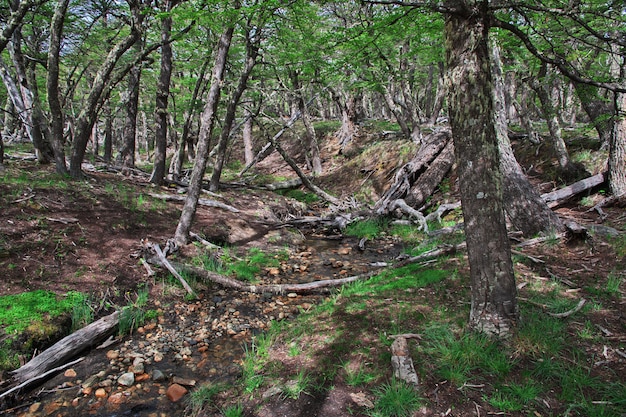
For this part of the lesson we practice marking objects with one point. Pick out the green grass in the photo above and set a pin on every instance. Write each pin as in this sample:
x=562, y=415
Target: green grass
x=245, y=269
x=202, y=397
x=299, y=195
x=366, y=228
x=133, y=315
x=514, y=397
x=395, y=399
x=19, y=311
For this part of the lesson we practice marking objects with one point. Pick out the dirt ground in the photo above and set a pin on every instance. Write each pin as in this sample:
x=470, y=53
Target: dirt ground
x=81, y=238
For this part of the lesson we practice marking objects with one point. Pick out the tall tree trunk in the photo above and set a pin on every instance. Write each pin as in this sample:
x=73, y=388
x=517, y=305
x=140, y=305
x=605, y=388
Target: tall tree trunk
x=108, y=131
x=599, y=109
x=208, y=120
x=252, y=52
x=440, y=95
x=185, y=138
x=247, y=136
x=129, y=140
x=349, y=117
x=311, y=147
x=569, y=170
x=617, y=149
x=494, y=307
x=527, y=211
x=56, y=109
x=162, y=93
x=87, y=116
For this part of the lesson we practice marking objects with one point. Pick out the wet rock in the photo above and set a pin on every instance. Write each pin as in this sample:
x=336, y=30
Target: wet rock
x=175, y=392
x=101, y=393
x=158, y=376
x=126, y=379
x=70, y=373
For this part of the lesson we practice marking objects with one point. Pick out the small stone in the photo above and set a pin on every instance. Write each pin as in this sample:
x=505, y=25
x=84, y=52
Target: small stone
x=70, y=373
x=75, y=402
x=34, y=407
x=116, y=398
x=344, y=250
x=184, y=381
x=112, y=355
x=158, y=356
x=87, y=390
x=158, y=376
x=101, y=393
x=142, y=377
x=292, y=295
x=175, y=392
x=126, y=379
x=138, y=368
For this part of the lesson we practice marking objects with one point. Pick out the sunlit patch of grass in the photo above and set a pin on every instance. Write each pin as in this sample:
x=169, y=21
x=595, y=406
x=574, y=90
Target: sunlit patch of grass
x=19, y=311
x=539, y=333
x=297, y=386
x=409, y=233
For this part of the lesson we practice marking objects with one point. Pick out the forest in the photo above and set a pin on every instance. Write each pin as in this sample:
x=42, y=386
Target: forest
x=314, y=208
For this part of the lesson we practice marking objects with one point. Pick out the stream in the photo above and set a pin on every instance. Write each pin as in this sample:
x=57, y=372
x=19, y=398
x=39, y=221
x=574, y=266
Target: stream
x=194, y=342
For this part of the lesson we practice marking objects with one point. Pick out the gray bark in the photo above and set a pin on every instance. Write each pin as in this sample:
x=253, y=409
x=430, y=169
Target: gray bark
x=208, y=120
x=494, y=307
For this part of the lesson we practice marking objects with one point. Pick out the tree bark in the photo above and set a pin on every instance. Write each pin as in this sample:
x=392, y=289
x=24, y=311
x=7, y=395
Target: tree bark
x=494, y=307
x=87, y=116
x=126, y=156
x=418, y=178
x=56, y=109
x=162, y=93
x=67, y=348
x=247, y=137
x=185, y=138
x=617, y=150
x=252, y=51
x=527, y=211
x=181, y=236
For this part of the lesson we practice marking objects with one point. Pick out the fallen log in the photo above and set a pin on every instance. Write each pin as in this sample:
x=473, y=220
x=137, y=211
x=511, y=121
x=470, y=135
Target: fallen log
x=401, y=361
x=67, y=348
x=432, y=161
x=557, y=197
x=201, y=201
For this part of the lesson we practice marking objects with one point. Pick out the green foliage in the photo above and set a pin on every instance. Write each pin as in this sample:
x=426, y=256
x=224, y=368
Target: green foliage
x=297, y=386
x=18, y=311
x=395, y=399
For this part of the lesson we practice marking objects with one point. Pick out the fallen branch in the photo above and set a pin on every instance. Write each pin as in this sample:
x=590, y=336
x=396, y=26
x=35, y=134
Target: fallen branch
x=201, y=201
x=38, y=377
x=401, y=361
x=67, y=348
x=556, y=197
x=168, y=265
x=568, y=313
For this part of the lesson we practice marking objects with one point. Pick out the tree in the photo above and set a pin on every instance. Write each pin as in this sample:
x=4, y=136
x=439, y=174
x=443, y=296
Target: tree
x=162, y=94
x=54, y=102
x=208, y=120
x=494, y=295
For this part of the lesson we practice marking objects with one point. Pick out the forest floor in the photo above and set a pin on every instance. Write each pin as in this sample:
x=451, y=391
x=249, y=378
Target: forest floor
x=89, y=237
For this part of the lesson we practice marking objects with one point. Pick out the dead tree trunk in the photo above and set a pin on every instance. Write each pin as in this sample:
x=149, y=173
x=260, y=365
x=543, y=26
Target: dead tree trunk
x=67, y=348
x=417, y=179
